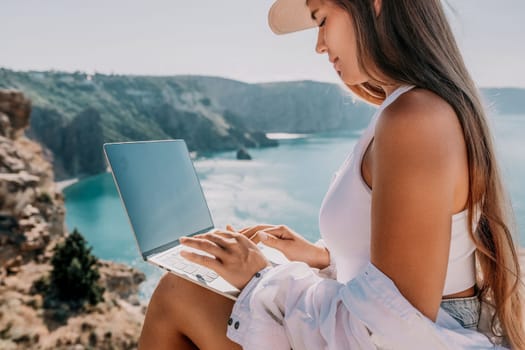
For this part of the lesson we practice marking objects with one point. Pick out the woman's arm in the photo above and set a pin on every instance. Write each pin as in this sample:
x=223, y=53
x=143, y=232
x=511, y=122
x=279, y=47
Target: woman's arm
x=418, y=156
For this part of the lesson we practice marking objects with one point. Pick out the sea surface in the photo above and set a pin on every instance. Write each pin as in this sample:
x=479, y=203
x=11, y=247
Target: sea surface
x=281, y=185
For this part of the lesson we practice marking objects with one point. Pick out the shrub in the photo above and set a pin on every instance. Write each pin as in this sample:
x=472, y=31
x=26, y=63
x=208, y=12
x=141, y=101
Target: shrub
x=74, y=277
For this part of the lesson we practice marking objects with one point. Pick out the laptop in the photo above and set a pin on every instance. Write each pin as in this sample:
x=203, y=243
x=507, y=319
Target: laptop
x=163, y=198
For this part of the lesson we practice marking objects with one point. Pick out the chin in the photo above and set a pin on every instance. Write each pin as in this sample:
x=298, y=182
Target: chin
x=352, y=79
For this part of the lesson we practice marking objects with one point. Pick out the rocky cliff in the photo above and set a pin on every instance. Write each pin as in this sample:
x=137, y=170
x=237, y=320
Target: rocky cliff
x=31, y=223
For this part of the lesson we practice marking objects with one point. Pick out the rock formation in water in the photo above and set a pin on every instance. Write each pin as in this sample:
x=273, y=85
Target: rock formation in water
x=242, y=154
x=31, y=223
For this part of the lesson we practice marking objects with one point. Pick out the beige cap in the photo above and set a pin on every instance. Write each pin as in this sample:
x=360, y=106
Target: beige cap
x=287, y=16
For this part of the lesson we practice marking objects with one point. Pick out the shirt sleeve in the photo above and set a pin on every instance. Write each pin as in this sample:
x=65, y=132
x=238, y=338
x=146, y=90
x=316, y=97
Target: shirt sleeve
x=291, y=307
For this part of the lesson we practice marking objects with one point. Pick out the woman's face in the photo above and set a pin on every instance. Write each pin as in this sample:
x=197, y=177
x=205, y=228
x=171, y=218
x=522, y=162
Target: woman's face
x=337, y=37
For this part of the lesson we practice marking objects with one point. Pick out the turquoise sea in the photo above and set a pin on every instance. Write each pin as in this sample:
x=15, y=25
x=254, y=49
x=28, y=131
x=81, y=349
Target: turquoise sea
x=282, y=185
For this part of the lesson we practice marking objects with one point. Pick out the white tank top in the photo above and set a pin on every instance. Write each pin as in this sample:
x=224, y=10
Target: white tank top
x=345, y=219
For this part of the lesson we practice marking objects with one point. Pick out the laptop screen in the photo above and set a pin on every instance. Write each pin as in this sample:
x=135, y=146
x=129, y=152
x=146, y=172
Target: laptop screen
x=160, y=191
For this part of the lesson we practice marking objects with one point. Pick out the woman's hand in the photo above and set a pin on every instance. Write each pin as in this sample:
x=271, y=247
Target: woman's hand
x=290, y=243
x=235, y=257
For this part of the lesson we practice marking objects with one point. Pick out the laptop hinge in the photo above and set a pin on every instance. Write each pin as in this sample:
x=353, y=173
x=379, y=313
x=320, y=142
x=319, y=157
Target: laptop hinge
x=164, y=247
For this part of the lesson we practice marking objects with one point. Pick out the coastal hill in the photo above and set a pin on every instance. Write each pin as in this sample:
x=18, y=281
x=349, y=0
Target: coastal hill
x=31, y=225
x=75, y=113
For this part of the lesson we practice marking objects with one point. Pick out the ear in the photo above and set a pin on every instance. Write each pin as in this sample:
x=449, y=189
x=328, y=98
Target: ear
x=377, y=6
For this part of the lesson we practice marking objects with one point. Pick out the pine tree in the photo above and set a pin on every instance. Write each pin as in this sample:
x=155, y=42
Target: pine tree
x=75, y=275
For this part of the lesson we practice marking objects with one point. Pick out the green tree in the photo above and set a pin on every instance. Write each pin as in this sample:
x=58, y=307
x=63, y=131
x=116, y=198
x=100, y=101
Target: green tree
x=75, y=275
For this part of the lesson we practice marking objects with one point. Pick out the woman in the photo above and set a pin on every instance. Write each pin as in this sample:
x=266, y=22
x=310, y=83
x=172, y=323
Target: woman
x=410, y=211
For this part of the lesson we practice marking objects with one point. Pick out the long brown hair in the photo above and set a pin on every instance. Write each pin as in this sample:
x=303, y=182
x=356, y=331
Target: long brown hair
x=411, y=42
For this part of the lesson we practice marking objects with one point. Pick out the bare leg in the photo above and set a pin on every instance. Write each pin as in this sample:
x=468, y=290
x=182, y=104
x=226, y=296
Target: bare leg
x=183, y=315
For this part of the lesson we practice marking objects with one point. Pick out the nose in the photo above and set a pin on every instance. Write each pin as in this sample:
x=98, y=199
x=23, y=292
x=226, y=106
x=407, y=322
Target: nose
x=320, y=47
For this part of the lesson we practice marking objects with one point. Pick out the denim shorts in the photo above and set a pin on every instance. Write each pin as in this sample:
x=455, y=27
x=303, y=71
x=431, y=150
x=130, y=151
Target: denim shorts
x=464, y=310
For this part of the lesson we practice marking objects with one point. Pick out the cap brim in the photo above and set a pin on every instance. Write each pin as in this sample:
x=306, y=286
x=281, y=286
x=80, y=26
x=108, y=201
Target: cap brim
x=288, y=16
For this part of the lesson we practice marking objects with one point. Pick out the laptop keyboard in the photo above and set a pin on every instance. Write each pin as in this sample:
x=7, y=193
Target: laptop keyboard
x=177, y=262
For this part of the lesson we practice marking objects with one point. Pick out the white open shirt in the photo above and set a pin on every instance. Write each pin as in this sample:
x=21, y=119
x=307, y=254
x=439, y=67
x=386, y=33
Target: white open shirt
x=291, y=306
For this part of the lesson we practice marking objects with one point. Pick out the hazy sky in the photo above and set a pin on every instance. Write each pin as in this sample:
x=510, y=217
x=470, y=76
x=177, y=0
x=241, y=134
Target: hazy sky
x=227, y=38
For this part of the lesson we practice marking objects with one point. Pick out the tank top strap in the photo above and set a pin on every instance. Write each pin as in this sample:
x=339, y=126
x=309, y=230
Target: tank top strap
x=395, y=94
x=389, y=100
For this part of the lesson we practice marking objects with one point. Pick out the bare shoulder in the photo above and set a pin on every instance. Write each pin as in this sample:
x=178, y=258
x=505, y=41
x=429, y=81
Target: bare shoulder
x=421, y=116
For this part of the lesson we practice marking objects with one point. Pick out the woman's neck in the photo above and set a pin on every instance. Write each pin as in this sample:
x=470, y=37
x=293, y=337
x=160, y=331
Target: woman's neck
x=389, y=89
x=387, y=86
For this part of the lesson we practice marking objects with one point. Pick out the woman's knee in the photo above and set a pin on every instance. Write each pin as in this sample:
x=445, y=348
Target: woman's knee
x=173, y=291
x=163, y=322
x=183, y=304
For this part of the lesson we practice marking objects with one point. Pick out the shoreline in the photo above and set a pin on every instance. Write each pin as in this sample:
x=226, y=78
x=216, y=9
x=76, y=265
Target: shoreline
x=285, y=135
